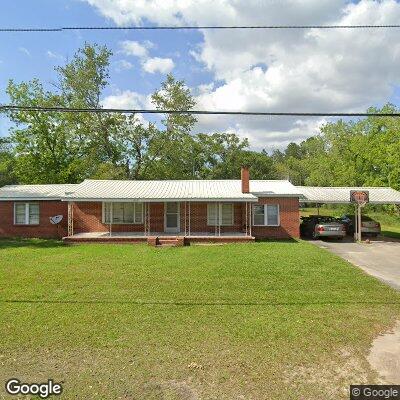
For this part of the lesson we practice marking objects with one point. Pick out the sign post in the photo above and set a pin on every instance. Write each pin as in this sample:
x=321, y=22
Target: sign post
x=360, y=198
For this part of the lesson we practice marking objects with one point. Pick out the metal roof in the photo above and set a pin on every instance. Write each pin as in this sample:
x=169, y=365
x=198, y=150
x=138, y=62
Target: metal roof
x=35, y=192
x=191, y=190
x=377, y=195
x=179, y=190
x=271, y=188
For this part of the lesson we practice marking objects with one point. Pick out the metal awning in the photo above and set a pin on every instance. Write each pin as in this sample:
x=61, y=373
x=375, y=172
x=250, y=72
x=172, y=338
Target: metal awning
x=341, y=195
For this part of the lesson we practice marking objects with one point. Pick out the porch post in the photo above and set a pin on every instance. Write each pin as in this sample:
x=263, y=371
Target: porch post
x=189, y=218
x=111, y=218
x=216, y=219
x=148, y=219
x=219, y=219
x=185, y=219
x=145, y=218
x=251, y=217
x=247, y=220
x=70, y=218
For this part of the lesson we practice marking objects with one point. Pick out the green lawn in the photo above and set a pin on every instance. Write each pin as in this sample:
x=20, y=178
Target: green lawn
x=246, y=321
x=390, y=223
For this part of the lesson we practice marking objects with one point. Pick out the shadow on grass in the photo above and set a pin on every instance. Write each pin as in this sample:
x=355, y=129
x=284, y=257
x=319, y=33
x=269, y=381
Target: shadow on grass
x=391, y=234
x=10, y=243
x=287, y=240
x=200, y=303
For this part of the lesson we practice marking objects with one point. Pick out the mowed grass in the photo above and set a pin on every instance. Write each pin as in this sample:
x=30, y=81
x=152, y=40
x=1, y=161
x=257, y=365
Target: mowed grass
x=243, y=321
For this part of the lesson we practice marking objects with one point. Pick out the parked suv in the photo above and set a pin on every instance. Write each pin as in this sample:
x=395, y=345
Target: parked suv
x=368, y=225
x=318, y=226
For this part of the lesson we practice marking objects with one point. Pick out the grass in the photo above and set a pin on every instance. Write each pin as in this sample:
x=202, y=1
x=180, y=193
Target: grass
x=390, y=223
x=240, y=321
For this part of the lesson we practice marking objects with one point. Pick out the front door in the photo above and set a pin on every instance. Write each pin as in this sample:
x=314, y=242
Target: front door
x=172, y=217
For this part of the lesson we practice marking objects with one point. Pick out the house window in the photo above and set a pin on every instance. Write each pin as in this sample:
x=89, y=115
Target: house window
x=222, y=213
x=123, y=213
x=26, y=213
x=258, y=215
x=266, y=215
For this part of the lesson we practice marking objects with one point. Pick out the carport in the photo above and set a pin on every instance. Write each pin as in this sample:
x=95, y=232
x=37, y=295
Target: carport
x=343, y=195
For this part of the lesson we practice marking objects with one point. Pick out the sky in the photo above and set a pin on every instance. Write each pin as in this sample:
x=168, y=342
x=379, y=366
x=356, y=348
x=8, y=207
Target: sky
x=308, y=70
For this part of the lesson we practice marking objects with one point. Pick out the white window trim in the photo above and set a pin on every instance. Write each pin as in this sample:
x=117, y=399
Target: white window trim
x=103, y=212
x=219, y=207
x=27, y=206
x=266, y=215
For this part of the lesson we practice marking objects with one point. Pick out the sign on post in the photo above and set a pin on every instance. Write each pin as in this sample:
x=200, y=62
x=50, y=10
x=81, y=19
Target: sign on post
x=360, y=197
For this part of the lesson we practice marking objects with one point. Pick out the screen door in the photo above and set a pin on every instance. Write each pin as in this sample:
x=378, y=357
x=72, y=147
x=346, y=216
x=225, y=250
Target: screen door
x=172, y=217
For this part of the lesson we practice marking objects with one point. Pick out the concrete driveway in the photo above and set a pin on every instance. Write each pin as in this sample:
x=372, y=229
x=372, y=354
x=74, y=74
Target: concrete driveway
x=380, y=258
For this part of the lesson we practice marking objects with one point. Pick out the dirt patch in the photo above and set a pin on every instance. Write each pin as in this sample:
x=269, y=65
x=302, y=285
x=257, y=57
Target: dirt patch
x=384, y=356
x=170, y=390
x=332, y=377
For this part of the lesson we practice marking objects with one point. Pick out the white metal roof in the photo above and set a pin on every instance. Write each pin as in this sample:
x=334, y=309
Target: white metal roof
x=160, y=190
x=377, y=195
x=210, y=190
x=271, y=188
x=35, y=192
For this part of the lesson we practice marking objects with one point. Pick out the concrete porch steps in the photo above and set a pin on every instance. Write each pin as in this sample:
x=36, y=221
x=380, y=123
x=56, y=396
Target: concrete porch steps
x=166, y=241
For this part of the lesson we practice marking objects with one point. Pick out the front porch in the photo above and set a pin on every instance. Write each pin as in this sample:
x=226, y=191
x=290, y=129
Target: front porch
x=156, y=238
x=156, y=222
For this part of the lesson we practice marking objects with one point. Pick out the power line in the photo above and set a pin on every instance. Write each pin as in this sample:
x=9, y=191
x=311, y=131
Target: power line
x=8, y=107
x=214, y=27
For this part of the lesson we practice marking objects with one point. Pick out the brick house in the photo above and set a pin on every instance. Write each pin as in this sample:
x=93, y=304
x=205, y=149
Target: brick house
x=195, y=210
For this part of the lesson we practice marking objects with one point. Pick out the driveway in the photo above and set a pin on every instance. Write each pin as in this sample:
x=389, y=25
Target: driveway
x=380, y=258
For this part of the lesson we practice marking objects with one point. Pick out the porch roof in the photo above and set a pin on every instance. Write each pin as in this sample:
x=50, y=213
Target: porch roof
x=152, y=191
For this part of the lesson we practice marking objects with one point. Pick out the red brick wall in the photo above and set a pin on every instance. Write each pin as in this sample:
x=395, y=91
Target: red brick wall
x=289, y=219
x=198, y=219
x=88, y=218
x=45, y=229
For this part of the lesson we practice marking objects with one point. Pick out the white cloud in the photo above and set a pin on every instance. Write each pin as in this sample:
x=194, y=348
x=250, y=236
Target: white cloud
x=55, y=56
x=157, y=64
x=25, y=51
x=133, y=48
x=281, y=70
x=124, y=99
x=128, y=99
x=149, y=64
x=122, y=65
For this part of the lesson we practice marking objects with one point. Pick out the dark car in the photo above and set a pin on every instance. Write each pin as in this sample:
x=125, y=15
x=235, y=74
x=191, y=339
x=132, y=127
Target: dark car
x=318, y=226
x=368, y=225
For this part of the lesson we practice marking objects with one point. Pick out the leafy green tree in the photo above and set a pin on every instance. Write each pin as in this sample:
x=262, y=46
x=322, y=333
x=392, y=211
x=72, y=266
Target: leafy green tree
x=44, y=147
x=56, y=147
x=7, y=162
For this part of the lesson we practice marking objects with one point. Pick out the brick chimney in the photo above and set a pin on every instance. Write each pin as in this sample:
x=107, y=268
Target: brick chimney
x=245, y=175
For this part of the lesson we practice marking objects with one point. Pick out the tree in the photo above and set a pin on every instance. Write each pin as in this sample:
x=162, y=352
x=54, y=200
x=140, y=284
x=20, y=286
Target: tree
x=61, y=147
x=44, y=146
x=174, y=95
x=7, y=161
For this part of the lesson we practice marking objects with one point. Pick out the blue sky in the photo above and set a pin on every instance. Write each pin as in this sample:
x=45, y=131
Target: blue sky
x=282, y=71
x=24, y=56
